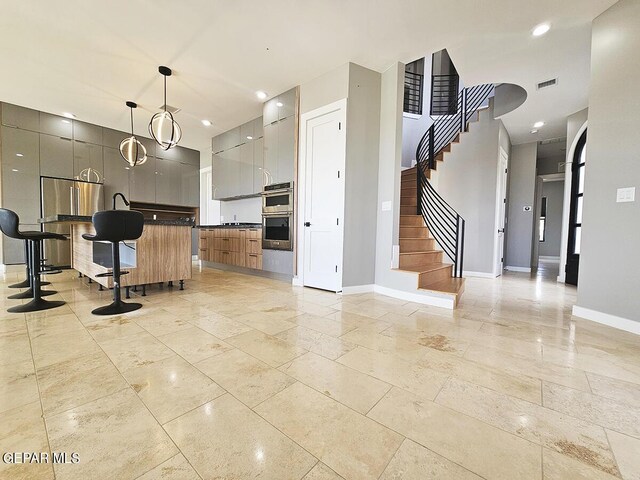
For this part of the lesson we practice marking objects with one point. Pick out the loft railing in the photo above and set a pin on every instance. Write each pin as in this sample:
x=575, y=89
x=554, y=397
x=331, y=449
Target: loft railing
x=413, y=93
x=444, y=223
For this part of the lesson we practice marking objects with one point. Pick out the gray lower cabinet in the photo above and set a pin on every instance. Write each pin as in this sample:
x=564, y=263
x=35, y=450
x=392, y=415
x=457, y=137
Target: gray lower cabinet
x=21, y=173
x=85, y=156
x=56, y=156
x=116, y=175
x=168, y=182
x=143, y=181
x=20, y=117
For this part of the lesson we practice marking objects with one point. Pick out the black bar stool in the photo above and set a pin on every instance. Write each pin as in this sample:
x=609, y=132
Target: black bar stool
x=26, y=283
x=9, y=222
x=116, y=226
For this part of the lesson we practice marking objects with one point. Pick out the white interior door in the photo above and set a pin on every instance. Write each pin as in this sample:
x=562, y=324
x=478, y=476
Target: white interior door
x=324, y=148
x=501, y=206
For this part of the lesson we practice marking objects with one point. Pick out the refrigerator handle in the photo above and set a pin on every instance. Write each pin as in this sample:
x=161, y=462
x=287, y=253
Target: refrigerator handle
x=72, y=191
x=77, y=201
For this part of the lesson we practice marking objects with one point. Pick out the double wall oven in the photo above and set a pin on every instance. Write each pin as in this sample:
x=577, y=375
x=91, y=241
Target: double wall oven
x=277, y=216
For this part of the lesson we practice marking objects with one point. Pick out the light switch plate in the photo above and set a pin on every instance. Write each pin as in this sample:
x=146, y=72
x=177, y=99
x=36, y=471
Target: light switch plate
x=627, y=194
x=386, y=206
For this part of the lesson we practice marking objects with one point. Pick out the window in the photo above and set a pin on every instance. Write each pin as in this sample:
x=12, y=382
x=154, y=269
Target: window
x=413, y=84
x=543, y=219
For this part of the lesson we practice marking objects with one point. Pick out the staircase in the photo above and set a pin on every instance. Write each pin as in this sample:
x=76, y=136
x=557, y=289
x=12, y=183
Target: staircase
x=429, y=227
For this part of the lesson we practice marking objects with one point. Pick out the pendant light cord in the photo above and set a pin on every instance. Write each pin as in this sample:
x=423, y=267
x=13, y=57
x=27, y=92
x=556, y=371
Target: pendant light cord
x=165, y=93
x=131, y=110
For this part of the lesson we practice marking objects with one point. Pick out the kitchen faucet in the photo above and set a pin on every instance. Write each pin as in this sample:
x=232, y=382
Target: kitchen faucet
x=123, y=199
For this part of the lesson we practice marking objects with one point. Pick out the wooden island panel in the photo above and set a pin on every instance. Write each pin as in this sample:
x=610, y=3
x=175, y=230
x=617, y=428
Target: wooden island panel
x=163, y=253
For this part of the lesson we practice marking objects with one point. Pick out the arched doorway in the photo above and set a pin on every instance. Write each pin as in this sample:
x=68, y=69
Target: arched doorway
x=575, y=212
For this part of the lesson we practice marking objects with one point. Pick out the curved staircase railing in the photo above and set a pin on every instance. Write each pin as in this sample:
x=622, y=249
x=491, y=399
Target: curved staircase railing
x=445, y=224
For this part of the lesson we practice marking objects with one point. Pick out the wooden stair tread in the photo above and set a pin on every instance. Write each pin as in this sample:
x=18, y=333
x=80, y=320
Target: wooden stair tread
x=451, y=285
x=429, y=267
x=420, y=252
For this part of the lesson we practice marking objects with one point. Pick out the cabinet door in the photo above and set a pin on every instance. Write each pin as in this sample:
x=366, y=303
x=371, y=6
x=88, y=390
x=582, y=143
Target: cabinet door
x=231, y=162
x=231, y=138
x=25, y=118
x=113, y=138
x=257, y=128
x=246, y=132
x=142, y=186
x=86, y=132
x=287, y=102
x=217, y=175
x=286, y=149
x=258, y=165
x=116, y=175
x=56, y=156
x=270, y=111
x=245, y=186
x=190, y=177
x=21, y=173
x=270, y=153
x=85, y=156
x=168, y=182
x=56, y=125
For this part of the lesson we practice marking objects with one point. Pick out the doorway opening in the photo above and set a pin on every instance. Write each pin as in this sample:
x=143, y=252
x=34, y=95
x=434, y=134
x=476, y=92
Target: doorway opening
x=575, y=210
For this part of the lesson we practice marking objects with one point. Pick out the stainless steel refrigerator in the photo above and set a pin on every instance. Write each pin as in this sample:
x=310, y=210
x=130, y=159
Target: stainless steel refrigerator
x=60, y=196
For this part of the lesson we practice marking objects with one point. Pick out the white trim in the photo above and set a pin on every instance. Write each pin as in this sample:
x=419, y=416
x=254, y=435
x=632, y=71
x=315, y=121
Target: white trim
x=358, y=289
x=194, y=258
x=518, y=269
x=606, y=319
x=447, y=301
x=552, y=177
x=414, y=116
x=500, y=204
x=340, y=105
x=297, y=282
x=479, y=274
x=547, y=258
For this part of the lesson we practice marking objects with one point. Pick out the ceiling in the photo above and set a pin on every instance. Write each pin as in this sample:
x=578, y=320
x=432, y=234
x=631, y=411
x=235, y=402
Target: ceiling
x=88, y=57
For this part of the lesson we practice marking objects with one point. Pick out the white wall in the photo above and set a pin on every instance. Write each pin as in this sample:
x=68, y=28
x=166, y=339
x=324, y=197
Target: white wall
x=467, y=180
x=522, y=182
x=554, y=191
x=608, y=281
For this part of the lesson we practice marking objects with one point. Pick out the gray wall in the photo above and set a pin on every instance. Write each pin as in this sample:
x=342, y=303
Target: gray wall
x=550, y=165
x=608, y=279
x=414, y=128
x=522, y=182
x=554, y=191
x=361, y=179
x=467, y=180
x=243, y=210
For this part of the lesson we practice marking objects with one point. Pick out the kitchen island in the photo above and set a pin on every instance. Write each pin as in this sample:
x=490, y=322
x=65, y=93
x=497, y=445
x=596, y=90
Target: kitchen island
x=161, y=254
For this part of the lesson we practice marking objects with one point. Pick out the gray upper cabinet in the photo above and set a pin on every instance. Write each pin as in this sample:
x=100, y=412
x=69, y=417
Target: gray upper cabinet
x=271, y=153
x=20, y=117
x=116, y=175
x=286, y=149
x=258, y=165
x=287, y=104
x=270, y=111
x=56, y=125
x=87, y=155
x=21, y=173
x=142, y=183
x=168, y=182
x=231, y=139
x=113, y=138
x=190, y=191
x=56, y=156
x=257, y=128
x=85, y=132
x=246, y=132
x=245, y=174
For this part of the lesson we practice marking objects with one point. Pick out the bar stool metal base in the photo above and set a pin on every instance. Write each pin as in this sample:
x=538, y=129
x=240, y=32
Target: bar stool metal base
x=116, y=308
x=29, y=294
x=36, y=305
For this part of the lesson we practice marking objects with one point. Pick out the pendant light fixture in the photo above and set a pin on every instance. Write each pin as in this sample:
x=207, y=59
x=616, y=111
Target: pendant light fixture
x=131, y=149
x=163, y=127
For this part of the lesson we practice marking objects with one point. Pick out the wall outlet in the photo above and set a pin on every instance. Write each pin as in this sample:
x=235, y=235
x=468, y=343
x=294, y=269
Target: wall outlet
x=627, y=194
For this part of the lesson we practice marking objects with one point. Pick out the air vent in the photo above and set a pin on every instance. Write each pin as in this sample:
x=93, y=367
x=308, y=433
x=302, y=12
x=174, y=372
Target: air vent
x=547, y=83
x=170, y=109
x=553, y=140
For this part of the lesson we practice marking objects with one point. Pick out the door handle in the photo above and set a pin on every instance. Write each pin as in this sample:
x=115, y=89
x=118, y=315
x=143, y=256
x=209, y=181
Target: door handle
x=307, y=224
x=501, y=230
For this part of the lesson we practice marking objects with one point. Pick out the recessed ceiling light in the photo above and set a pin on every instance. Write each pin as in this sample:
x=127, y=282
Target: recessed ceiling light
x=68, y=115
x=206, y=123
x=541, y=29
x=261, y=95
x=534, y=131
x=538, y=125
x=249, y=137
x=19, y=155
x=279, y=104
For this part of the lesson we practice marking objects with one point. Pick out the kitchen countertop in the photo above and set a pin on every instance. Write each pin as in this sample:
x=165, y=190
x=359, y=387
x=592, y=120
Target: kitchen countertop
x=243, y=225
x=87, y=219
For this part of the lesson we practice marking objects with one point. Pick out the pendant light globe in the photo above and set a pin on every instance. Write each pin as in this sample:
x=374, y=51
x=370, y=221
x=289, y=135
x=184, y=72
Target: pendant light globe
x=163, y=128
x=132, y=151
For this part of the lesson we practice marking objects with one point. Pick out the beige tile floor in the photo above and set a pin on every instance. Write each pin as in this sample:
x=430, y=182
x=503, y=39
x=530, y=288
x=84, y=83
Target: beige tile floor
x=241, y=377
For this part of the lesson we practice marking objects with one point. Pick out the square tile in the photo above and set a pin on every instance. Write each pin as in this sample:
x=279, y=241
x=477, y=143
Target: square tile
x=194, y=344
x=267, y=348
x=18, y=385
x=136, y=350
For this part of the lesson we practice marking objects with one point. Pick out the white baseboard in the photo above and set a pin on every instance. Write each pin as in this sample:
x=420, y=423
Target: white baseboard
x=478, y=274
x=297, y=282
x=518, y=269
x=549, y=258
x=433, y=300
x=606, y=319
x=358, y=289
